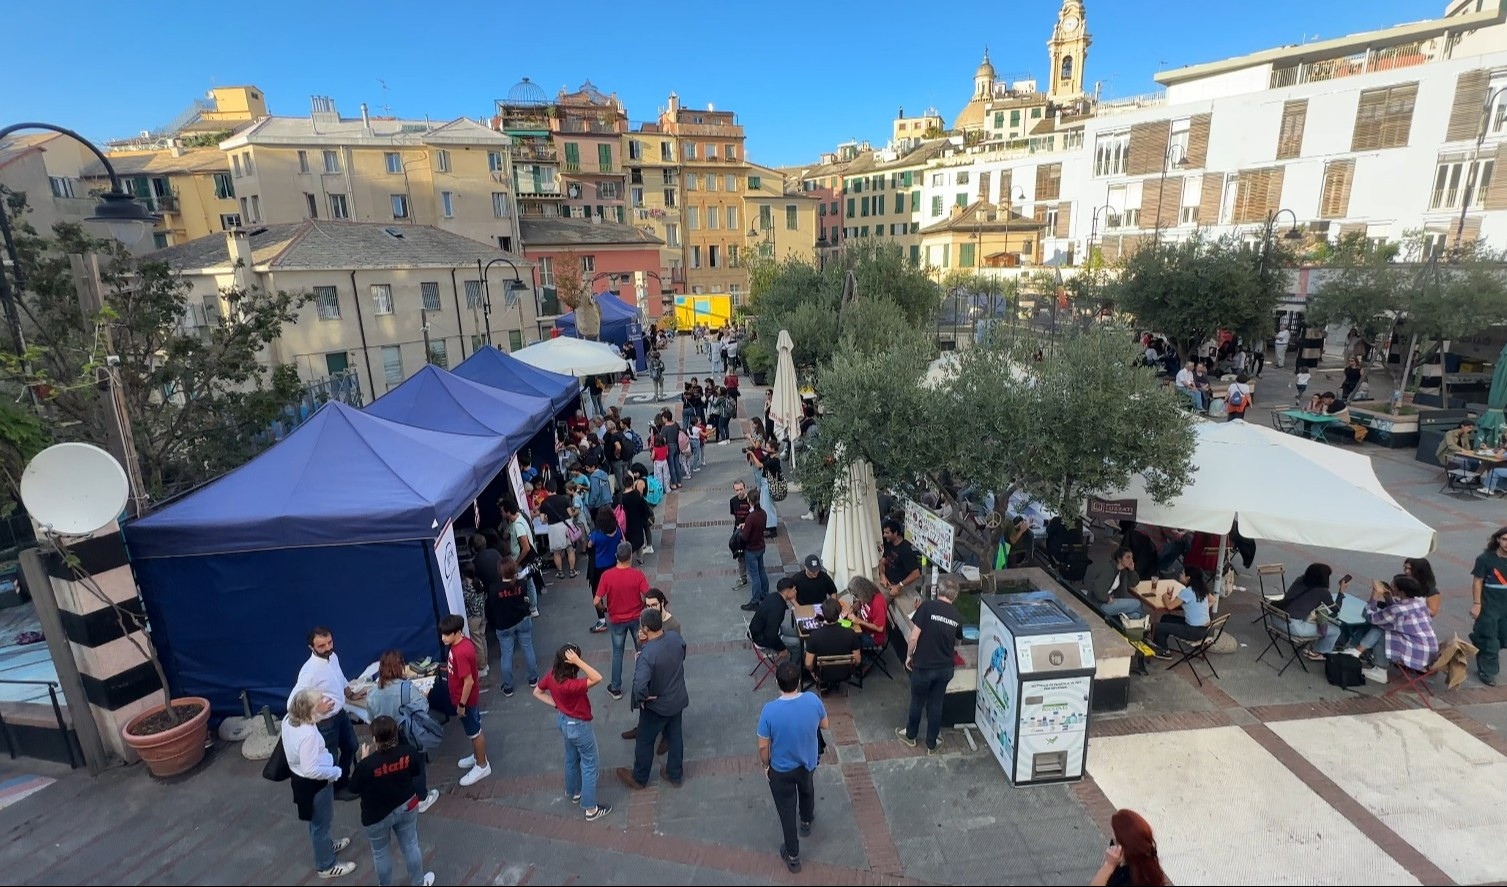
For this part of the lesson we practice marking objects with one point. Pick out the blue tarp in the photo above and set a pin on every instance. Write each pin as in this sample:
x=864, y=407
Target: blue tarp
x=616, y=316
x=343, y=477
x=439, y=400
x=491, y=366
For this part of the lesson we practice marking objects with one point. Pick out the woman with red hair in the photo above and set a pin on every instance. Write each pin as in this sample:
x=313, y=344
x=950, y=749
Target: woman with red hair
x=1130, y=861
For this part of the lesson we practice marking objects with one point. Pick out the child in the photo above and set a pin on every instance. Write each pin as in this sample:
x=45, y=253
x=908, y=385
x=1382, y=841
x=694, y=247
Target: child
x=1301, y=383
x=697, y=434
x=465, y=691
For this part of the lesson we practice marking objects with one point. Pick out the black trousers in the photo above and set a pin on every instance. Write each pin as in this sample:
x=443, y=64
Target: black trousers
x=793, y=790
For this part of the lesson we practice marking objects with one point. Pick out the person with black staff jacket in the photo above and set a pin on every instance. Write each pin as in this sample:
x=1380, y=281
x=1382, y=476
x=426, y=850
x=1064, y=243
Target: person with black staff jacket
x=660, y=694
x=789, y=750
x=384, y=779
x=936, y=627
x=739, y=508
x=813, y=584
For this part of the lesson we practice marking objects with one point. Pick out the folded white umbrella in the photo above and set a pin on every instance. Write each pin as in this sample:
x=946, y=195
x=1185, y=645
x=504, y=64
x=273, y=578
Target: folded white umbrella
x=851, y=546
x=785, y=405
x=570, y=356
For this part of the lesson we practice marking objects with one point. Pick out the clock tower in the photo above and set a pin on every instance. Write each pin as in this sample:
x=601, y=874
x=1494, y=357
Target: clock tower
x=1068, y=49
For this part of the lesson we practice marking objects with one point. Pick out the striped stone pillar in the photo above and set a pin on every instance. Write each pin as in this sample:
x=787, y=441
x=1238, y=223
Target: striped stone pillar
x=118, y=681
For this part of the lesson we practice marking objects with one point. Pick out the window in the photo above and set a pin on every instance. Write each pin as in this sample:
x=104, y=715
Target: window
x=1290, y=134
x=1035, y=113
x=1257, y=193
x=608, y=191
x=915, y=201
x=303, y=161
x=711, y=182
x=636, y=196
x=473, y=294
x=224, y=186
x=332, y=164
x=669, y=175
x=732, y=218
x=437, y=353
x=494, y=161
x=863, y=206
x=1015, y=119
x=936, y=204
x=669, y=195
x=1051, y=219
x=936, y=180
x=689, y=149
x=328, y=302
x=1111, y=153
x=1177, y=141
x=960, y=199
x=229, y=220
x=713, y=218
x=693, y=218
x=766, y=217
x=394, y=162
x=500, y=207
x=666, y=153
x=235, y=164
x=999, y=119
x=692, y=182
x=256, y=208
x=711, y=151
x=754, y=182
x=311, y=206
x=1456, y=182
x=672, y=236
x=851, y=202
x=339, y=208
x=547, y=271
x=1049, y=181
x=429, y=295
x=381, y=298
x=250, y=170
x=400, y=206
x=790, y=217
x=729, y=182
x=392, y=364
x=1434, y=243
x=1384, y=117
x=245, y=208
x=447, y=204
x=966, y=251
x=732, y=256
x=61, y=186
x=695, y=256
x=442, y=160
x=712, y=257
x=588, y=264
x=505, y=243
x=635, y=149
x=962, y=178
x=604, y=158
x=730, y=152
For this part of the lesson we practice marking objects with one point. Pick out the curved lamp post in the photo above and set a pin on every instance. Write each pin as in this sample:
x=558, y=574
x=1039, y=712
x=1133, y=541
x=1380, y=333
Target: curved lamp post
x=514, y=285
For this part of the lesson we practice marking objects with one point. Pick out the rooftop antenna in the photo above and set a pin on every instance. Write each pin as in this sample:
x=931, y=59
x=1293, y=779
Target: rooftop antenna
x=386, y=108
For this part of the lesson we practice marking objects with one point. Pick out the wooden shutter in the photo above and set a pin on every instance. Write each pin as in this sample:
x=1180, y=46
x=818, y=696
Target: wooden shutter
x=1352, y=228
x=1471, y=232
x=1109, y=248
x=1384, y=117
x=1048, y=181
x=1040, y=214
x=1198, y=140
x=1005, y=187
x=1496, y=192
x=1290, y=135
x=1064, y=220
x=1334, y=199
x=1367, y=133
x=1257, y=193
x=1470, y=97
x=1210, y=198
x=1162, y=200
x=984, y=187
x=1148, y=147
x=1130, y=244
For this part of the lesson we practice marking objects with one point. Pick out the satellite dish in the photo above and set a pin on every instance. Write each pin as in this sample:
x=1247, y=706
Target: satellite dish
x=74, y=488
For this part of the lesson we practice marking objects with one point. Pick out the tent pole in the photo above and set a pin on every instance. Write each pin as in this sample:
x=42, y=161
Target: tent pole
x=1219, y=569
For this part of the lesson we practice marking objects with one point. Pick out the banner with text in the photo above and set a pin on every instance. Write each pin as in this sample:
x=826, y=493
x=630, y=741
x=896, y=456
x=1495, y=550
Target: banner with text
x=449, y=562
x=929, y=533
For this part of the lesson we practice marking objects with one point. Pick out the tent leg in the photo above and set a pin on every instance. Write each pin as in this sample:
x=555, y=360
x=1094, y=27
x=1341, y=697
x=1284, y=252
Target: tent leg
x=1219, y=572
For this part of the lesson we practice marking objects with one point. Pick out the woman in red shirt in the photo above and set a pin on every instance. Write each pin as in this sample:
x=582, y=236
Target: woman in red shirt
x=564, y=689
x=870, y=612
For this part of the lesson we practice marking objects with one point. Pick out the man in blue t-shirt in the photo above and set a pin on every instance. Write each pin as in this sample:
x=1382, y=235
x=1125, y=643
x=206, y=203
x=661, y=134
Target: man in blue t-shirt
x=788, y=747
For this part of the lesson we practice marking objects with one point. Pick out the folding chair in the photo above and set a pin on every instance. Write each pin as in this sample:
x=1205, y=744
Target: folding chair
x=1416, y=681
x=874, y=658
x=763, y=661
x=835, y=671
x=1198, y=649
x=1459, y=479
x=1284, y=424
x=1278, y=572
x=1275, y=620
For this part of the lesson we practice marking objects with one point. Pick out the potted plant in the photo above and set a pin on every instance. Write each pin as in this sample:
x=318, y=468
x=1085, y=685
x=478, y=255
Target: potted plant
x=759, y=361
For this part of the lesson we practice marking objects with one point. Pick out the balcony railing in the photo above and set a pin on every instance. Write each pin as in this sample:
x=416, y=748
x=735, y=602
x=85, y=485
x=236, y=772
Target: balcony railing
x=1131, y=103
x=525, y=190
x=590, y=126
x=572, y=166
x=162, y=203
x=1367, y=61
x=727, y=130
x=535, y=153
x=532, y=121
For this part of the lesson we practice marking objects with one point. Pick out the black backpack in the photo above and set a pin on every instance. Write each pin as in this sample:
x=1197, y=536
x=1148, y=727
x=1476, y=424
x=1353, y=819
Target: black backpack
x=1343, y=670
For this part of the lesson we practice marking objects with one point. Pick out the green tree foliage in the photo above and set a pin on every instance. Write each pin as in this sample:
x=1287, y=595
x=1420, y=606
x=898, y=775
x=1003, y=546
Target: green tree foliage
x=1191, y=289
x=200, y=402
x=1361, y=286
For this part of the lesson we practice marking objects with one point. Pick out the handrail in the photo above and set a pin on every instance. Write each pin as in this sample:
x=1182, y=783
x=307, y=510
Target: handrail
x=57, y=713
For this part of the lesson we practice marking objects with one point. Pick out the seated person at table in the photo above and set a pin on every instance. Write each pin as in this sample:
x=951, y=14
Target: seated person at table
x=1456, y=445
x=871, y=612
x=770, y=626
x=832, y=638
x=1189, y=618
x=1400, y=623
x=1329, y=404
x=1120, y=598
x=813, y=584
x=899, y=561
x=1184, y=383
x=1014, y=543
x=1307, y=593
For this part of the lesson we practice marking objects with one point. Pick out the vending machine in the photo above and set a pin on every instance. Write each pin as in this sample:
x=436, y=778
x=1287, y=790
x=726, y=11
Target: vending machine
x=1036, y=674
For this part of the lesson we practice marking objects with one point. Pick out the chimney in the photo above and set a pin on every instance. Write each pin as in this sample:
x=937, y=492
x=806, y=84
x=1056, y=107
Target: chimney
x=238, y=247
x=175, y=149
x=956, y=210
x=674, y=103
x=366, y=120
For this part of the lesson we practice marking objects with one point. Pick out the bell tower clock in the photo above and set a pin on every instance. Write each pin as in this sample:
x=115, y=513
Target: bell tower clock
x=1068, y=50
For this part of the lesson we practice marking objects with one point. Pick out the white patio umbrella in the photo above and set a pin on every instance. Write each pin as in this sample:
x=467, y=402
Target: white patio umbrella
x=851, y=546
x=785, y=406
x=570, y=356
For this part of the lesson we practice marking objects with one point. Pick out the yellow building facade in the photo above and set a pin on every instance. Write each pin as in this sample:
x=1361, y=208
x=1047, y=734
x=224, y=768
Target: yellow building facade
x=713, y=174
x=980, y=235
x=655, y=194
x=783, y=220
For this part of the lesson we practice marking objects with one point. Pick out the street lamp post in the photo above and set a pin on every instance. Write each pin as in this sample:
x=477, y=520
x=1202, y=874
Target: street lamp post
x=486, y=289
x=1268, y=235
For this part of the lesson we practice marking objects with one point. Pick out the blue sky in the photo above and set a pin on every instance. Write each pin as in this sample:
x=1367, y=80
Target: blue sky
x=802, y=76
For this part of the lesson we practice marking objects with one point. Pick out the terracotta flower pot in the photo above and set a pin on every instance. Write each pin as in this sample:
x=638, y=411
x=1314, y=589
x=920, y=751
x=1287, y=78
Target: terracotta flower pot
x=174, y=750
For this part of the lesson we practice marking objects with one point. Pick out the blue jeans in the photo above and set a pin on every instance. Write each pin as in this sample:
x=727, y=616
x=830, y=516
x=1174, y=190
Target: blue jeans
x=1494, y=479
x=650, y=725
x=1122, y=605
x=340, y=738
x=621, y=631
x=766, y=501
x=405, y=822
x=928, y=689
x=580, y=760
x=696, y=454
x=758, y=580
x=1302, y=628
x=674, y=464
x=319, y=828
x=1372, y=641
x=1193, y=394
x=523, y=635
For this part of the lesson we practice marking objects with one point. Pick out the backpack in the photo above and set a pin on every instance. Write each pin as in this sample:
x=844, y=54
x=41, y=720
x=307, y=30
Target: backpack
x=416, y=725
x=635, y=443
x=1343, y=670
x=1236, y=402
x=600, y=491
x=685, y=442
x=654, y=491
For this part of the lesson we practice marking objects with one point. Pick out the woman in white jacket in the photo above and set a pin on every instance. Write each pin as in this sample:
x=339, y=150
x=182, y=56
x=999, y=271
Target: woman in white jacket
x=314, y=775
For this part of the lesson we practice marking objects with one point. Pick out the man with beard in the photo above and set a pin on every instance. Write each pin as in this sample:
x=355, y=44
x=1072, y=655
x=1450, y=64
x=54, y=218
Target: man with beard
x=322, y=672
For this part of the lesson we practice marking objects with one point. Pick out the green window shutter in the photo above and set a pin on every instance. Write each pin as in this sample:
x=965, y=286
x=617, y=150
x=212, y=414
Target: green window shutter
x=905, y=179
x=946, y=255
x=915, y=253
x=961, y=200
x=863, y=207
x=1015, y=118
x=572, y=152
x=965, y=256
x=936, y=205
x=915, y=201
x=851, y=202
x=999, y=119
x=1035, y=113
x=604, y=156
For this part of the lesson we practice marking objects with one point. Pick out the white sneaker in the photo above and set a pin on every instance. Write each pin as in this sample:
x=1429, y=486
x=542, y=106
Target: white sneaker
x=808, y=516
x=1351, y=651
x=476, y=774
x=338, y=870
x=1375, y=675
x=533, y=614
x=340, y=844
x=428, y=879
x=648, y=549
x=467, y=762
x=429, y=799
x=484, y=671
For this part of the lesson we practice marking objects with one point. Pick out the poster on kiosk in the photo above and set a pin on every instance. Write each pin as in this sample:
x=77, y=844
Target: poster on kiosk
x=1036, y=672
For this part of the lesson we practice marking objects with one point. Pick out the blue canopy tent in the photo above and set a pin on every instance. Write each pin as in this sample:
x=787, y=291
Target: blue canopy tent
x=496, y=369
x=442, y=401
x=335, y=525
x=617, y=317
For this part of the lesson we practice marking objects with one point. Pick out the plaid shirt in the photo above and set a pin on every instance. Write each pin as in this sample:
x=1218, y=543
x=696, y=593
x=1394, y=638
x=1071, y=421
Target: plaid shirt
x=1408, y=631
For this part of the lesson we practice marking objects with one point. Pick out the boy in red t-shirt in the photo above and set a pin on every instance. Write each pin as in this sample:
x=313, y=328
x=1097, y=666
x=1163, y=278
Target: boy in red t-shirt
x=621, y=590
x=465, y=692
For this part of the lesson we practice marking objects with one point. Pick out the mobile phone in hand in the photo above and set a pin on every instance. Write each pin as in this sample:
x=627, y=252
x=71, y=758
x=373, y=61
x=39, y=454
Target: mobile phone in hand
x=1345, y=580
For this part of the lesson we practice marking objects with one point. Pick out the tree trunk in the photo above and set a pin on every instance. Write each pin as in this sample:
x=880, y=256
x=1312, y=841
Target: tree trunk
x=1443, y=379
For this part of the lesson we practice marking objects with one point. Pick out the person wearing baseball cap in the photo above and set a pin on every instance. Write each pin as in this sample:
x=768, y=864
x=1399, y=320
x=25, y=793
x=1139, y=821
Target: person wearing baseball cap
x=813, y=584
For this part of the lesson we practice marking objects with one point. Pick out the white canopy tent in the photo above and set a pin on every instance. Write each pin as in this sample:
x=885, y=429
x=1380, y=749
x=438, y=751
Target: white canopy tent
x=851, y=546
x=569, y=356
x=1283, y=488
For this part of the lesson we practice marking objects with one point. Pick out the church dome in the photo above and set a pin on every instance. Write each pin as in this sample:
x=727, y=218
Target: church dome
x=985, y=69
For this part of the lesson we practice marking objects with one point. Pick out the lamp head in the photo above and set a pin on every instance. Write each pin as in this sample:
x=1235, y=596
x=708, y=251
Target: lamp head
x=1293, y=233
x=127, y=220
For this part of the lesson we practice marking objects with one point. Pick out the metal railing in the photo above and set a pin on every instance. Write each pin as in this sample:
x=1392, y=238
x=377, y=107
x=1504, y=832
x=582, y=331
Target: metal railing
x=544, y=153
x=1131, y=103
x=57, y=713
x=730, y=130
x=1367, y=61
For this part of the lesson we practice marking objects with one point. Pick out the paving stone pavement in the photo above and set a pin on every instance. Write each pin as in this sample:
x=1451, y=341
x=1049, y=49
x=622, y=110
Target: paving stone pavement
x=1231, y=771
